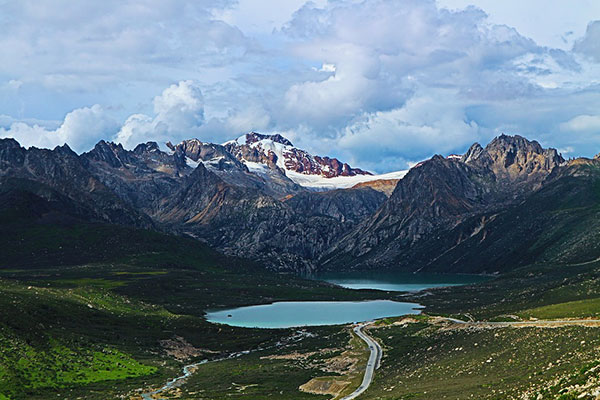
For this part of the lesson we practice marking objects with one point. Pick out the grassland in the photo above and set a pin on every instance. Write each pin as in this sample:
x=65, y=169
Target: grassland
x=86, y=308
x=428, y=361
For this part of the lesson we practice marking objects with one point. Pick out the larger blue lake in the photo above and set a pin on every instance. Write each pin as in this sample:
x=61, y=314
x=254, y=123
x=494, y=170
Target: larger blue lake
x=310, y=313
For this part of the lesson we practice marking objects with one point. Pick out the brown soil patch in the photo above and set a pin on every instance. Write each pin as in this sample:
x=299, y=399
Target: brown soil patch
x=327, y=386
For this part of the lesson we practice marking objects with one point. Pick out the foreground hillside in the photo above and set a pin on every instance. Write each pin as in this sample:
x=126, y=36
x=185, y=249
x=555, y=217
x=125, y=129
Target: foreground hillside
x=92, y=310
x=97, y=306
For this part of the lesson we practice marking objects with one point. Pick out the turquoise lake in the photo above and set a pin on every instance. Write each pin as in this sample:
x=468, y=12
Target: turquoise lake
x=310, y=313
x=399, y=282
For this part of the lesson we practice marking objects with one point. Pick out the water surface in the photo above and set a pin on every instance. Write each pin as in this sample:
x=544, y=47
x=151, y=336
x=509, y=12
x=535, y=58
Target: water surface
x=289, y=314
x=397, y=281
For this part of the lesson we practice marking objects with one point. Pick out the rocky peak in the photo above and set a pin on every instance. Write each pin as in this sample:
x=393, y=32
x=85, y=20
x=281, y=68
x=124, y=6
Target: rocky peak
x=11, y=153
x=111, y=153
x=65, y=150
x=191, y=148
x=254, y=137
x=148, y=147
x=475, y=154
x=514, y=159
x=215, y=156
x=277, y=152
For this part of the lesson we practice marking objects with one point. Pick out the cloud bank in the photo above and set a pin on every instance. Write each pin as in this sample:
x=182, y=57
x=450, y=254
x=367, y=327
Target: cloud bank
x=380, y=83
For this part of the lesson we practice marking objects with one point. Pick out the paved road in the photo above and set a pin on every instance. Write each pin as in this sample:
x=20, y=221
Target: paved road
x=373, y=363
x=536, y=323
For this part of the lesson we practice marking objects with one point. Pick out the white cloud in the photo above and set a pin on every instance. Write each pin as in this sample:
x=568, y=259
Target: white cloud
x=179, y=114
x=561, y=22
x=425, y=125
x=80, y=129
x=87, y=45
x=589, y=44
x=582, y=123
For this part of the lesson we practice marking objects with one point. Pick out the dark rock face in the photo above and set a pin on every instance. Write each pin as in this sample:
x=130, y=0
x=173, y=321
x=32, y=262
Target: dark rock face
x=287, y=235
x=112, y=154
x=63, y=171
x=254, y=137
x=349, y=206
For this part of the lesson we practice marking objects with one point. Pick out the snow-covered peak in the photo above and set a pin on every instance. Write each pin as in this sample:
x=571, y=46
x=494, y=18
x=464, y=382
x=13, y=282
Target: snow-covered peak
x=271, y=155
x=276, y=151
x=255, y=137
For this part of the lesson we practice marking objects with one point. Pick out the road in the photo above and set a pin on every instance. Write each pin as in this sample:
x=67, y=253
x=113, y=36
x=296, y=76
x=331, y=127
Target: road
x=373, y=363
x=376, y=352
x=521, y=324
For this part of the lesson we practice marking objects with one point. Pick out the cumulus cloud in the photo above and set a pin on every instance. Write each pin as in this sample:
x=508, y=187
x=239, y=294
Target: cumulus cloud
x=59, y=41
x=80, y=129
x=589, y=44
x=179, y=114
x=582, y=123
x=409, y=133
x=393, y=60
x=380, y=83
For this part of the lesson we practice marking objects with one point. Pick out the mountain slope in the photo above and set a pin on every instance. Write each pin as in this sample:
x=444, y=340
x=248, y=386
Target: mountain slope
x=65, y=172
x=447, y=214
x=557, y=224
x=440, y=194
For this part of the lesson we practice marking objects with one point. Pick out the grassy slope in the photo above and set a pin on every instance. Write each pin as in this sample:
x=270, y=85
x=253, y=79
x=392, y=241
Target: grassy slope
x=102, y=297
x=423, y=361
x=84, y=305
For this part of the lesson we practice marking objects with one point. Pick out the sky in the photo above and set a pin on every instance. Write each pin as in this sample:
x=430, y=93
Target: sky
x=380, y=84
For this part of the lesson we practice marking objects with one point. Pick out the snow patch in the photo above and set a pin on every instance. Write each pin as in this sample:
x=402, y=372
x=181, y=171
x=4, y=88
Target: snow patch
x=321, y=183
x=257, y=168
x=191, y=163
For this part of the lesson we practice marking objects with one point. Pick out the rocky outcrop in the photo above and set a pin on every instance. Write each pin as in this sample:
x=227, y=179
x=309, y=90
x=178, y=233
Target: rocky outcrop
x=517, y=164
x=385, y=186
x=214, y=155
x=218, y=159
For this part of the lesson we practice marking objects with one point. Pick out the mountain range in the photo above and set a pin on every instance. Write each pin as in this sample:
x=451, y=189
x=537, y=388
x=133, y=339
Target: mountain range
x=490, y=210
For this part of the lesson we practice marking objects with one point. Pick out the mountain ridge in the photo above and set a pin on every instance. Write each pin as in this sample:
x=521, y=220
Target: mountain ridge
x=428, y=219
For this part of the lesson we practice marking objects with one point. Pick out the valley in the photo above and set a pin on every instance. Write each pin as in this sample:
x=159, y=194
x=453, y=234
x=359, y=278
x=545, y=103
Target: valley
x=114, y=260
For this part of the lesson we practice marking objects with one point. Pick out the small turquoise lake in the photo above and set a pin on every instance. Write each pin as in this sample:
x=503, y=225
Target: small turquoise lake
x=287, y=314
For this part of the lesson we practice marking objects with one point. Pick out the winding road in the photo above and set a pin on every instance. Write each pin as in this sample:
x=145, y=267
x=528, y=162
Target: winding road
x=373, y=363
x=542, y=323
x=376, y=352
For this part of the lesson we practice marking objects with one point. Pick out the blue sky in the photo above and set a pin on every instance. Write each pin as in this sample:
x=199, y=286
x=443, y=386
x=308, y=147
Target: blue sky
x=378, y=83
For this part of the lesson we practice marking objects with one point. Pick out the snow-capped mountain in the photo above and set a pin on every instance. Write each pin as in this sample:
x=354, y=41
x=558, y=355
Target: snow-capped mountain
x=260, y=152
